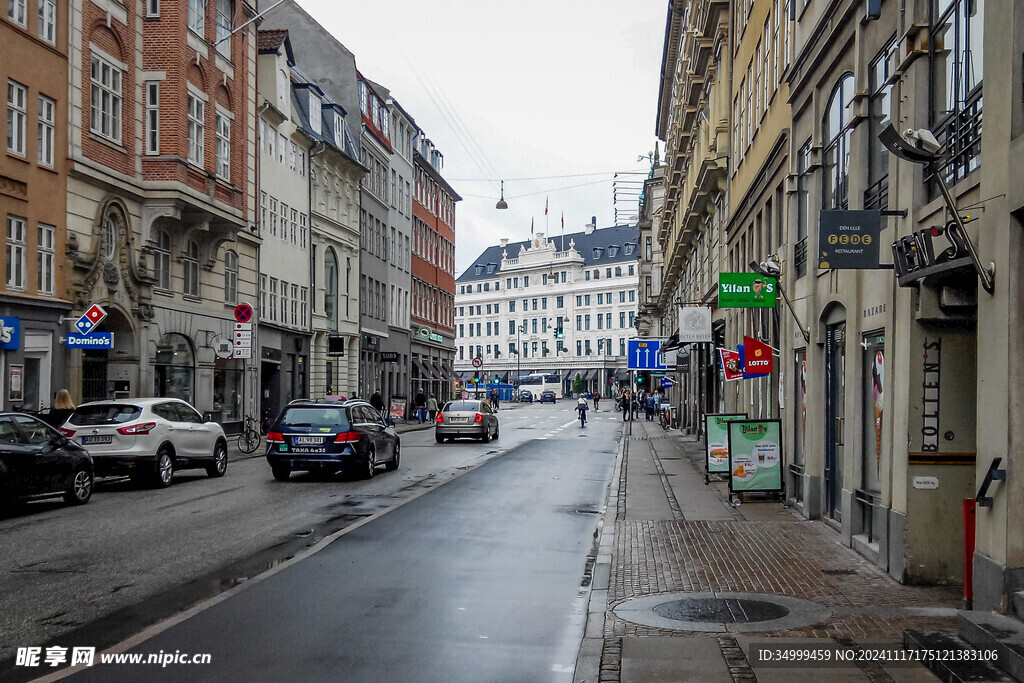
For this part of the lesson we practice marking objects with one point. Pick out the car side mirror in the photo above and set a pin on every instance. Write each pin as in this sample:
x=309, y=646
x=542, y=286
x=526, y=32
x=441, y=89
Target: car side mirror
x=207, y=417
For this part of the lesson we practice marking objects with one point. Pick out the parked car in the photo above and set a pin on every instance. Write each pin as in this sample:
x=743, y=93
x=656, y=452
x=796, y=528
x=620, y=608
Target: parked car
x=327, y=437
x=466, y=419
x=548, y=397
x=148, y=438
x=526, y=396
x=36, y=461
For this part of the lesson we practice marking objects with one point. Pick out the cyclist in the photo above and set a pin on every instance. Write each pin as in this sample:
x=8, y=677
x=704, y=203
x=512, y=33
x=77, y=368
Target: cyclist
x=581, y=408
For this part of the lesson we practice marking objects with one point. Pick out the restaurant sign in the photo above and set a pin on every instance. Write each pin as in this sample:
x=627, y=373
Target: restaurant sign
x=746, y=290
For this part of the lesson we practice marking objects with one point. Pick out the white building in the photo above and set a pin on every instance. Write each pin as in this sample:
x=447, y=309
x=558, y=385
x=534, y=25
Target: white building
x=565, y=304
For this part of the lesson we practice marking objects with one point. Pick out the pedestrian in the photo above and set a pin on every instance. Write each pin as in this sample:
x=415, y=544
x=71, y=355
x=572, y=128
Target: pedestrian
x=624, y=405
x=61, y=410
x=432, y=407
x=378, y=403
x=634, y=407
x=649, y=408
x=494, y=399
x=420, y=401
x=597, y=398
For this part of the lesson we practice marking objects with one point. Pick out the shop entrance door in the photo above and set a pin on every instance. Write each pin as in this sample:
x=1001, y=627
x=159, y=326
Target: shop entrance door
x=835, y=416
x=94, y=375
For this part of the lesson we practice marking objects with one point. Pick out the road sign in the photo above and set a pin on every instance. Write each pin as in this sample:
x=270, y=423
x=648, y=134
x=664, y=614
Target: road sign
x=644, y=354
x=243, y=336
x=242, y=352
x=92, y=317
x=611, y=380
x=242, y=327
x=243, y=312
x=478, y=362
x=97, y=340
x=667, y=383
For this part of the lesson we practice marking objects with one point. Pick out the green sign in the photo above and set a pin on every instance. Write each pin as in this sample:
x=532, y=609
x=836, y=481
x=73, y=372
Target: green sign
x=716, y=445
x=755, y=455
x=746, y=290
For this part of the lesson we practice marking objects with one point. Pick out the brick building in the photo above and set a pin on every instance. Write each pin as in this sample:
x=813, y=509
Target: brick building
x=33, y=184
x=161, y=197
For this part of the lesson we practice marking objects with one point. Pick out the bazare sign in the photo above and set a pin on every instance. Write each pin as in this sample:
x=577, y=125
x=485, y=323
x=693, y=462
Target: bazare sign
x=746, y=290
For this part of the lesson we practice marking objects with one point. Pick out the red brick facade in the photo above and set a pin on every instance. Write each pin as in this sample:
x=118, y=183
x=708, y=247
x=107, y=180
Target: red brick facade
x=433, y=261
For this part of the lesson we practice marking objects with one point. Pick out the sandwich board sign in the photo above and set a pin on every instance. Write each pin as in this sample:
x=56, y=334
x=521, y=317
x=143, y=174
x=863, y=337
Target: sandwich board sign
x=755, y=456
x=716, y=443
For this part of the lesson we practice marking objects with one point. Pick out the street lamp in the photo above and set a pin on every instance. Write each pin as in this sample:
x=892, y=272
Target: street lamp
x=502, y=204
x=520, y=329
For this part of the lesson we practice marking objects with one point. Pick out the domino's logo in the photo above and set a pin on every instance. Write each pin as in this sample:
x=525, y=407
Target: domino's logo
x=90, y=319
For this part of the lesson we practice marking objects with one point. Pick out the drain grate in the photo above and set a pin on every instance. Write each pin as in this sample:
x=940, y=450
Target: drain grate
x=721, y=610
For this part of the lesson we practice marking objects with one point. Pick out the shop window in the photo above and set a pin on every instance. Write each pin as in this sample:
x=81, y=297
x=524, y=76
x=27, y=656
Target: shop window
x=174, y=368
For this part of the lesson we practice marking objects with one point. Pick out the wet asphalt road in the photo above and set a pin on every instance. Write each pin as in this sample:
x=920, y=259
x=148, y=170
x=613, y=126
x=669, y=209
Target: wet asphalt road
x=477, y=580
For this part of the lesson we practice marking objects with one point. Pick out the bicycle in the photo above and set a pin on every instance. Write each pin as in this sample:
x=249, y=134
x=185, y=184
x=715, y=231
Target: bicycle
x=249, y=439
x=583, y=417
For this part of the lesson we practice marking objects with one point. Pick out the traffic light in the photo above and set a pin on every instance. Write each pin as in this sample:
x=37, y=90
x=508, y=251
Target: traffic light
x=559, y=334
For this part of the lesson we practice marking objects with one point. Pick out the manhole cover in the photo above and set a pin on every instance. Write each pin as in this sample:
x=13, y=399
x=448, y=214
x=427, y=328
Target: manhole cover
x=721, y=610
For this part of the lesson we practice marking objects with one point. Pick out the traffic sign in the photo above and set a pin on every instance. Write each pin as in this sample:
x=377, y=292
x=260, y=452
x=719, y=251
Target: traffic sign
x=92, y=317
x=644, y=354
x=243, y=336
x=241, y=327
x=611, y=380
x=667, y=383
x=244, y=312
x=242, y=352
x=478, y=362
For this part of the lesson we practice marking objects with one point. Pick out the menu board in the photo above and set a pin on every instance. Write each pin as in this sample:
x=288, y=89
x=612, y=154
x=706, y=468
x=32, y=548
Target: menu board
x=755, y=455
x=717, y=442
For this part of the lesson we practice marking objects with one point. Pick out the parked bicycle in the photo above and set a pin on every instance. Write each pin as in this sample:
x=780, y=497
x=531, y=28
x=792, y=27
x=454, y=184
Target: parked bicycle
x=249, y=439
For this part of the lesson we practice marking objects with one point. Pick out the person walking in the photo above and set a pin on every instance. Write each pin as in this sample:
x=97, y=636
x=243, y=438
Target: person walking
x=494, y=399
x=420, y=401
x=61, y=410
x=597, y=399
x=649, y=408
x=377, y=401
x=624, y=404
x=432, y=407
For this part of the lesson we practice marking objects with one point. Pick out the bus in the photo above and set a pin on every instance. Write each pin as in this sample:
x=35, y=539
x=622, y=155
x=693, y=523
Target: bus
x=540, y=382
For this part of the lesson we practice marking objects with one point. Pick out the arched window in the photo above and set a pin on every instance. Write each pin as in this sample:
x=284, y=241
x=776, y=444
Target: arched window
x=191, y=264
x=836, y=137
x=230, y=277
x=174, y=368
x=331, y=287
x=108, y=235
x=162, y=260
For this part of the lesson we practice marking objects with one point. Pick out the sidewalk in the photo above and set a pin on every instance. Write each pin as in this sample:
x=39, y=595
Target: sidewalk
x=668, y=539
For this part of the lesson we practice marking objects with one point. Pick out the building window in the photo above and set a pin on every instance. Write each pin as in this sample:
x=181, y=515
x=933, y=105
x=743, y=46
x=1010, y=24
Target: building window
x=315, y=112
x=295, y=305
x=303, y=305
x=223, y=147
x=273, y=217
x=273, y=298
x=152, y=117
x=16, y=228
x=108, y=237
x=105, y=99
x=649, y=249
x=331, y=290
x=196, y=129
x=803, y=207
x=957, y=46
x=877, y=194
x=17, y=11
x=191, y=269
x=46, y=280
x=224, y=27
x=836, y=134
x=17, y=104
x=47, y=116
x=196, y=20
x=152, y=9
x=48, y=20
x=162, y=260
x=230, y=277
x=559, y=302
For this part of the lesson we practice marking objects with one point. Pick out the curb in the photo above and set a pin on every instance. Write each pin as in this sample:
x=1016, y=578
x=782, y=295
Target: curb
x=589, y=661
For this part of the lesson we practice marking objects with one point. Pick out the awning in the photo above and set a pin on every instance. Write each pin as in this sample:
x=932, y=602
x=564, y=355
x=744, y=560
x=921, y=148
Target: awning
x=447, y=371
x=621, y=374
x=435, y=372
x=421, y=373
x=588, y=374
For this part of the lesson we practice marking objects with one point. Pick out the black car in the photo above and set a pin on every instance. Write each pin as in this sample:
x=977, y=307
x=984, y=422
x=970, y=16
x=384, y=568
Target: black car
x=526, y=396
x=548, y=397
x=327, y=437
x=37, y=461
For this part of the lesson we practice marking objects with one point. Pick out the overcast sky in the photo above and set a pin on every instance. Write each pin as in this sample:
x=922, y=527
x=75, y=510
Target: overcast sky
x=528, y=89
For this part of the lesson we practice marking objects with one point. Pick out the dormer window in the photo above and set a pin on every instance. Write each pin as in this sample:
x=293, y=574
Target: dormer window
x=491, y=267
x=376, y=113
x=385, y=123
x=363, y=102
x=478, y=269
x=628, y=248
x=315, y=113
x=339, y=130
x=598, y=252
x=613, y=250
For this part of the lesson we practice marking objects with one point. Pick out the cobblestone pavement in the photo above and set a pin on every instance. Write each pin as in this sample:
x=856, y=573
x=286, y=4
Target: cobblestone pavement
x=674, y=534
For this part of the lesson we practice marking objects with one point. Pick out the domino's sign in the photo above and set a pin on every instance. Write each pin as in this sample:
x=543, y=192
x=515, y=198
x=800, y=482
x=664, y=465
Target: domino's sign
x=10, y=333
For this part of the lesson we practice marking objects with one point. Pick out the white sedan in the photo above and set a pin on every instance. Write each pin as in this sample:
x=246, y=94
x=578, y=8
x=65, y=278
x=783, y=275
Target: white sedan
x=148, y=438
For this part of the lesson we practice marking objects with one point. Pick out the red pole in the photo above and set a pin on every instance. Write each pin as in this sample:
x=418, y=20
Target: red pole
x=969, y=517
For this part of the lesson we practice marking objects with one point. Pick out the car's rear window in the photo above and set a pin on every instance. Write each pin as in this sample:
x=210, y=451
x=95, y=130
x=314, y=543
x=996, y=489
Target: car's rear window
x=105, y=414
x=457, y=406
x=314, y=416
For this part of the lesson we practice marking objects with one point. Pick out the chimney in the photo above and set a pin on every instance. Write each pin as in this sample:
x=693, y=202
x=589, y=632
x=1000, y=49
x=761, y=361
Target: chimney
x=591, y=226
x=504, y=242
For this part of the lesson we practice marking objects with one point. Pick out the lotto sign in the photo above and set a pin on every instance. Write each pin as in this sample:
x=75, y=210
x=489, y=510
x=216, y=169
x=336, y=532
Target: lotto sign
x=755, y=455
x=755, y=358
x=92, y=317
x=848, y=239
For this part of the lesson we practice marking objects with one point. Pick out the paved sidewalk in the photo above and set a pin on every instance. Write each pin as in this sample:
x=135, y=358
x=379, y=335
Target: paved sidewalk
x=667, y=536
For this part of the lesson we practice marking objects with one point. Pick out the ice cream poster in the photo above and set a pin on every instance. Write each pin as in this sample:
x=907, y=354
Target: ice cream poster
x=717, y=441
x=755, y=455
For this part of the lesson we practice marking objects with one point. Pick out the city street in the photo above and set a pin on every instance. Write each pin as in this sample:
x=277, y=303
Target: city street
x=97, y=574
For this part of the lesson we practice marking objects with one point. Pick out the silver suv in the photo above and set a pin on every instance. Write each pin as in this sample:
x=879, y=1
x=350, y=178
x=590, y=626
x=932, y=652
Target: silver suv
x=148, y=438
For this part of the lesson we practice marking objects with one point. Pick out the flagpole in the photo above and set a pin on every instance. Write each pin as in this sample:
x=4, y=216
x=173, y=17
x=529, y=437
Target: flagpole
x=563, y=231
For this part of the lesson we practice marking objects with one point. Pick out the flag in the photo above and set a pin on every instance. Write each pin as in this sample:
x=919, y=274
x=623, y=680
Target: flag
x=563, y=220
x=545, y=206
x=531, y=226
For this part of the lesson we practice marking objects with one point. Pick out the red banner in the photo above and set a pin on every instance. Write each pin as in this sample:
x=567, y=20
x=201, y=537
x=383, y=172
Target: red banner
x=757, y=357
x=731, y=364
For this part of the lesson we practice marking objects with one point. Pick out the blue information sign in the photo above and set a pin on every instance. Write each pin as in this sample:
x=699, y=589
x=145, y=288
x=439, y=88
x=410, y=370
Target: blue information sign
x=644, y=354
x=10, y=333
x=667, y=383
x=95, y=340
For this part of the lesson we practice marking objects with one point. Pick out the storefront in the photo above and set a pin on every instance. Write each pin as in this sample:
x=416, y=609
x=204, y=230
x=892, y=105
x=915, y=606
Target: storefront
x=32, y=365
x=284, y=363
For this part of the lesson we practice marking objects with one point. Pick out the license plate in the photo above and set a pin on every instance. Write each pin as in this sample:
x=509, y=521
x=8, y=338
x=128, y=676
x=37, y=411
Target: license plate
x=96, y=439
x=458, y=419
x=308, y=440
x=306, y=449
